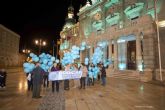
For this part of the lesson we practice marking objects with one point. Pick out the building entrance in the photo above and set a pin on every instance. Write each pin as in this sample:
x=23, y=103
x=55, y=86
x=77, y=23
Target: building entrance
x=131, y=55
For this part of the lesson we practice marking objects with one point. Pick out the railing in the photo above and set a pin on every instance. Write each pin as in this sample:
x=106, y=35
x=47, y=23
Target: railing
x=131, y=23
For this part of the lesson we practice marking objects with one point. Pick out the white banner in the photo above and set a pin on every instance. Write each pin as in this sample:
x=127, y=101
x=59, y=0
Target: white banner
x=62, y=75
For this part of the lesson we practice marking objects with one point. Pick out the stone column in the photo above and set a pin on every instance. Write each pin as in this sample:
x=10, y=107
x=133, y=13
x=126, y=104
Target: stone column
x=126, y=53
x=94, y=46
x=138, y=53
x=91, y=51
x=81, y=57
x=105, y=53
x=149, y=55
x=115, y=54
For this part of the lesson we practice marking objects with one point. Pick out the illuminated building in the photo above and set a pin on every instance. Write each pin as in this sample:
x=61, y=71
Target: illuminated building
x=128, y=30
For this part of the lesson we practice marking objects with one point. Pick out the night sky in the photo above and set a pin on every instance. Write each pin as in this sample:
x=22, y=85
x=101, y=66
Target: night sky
x=33, y=19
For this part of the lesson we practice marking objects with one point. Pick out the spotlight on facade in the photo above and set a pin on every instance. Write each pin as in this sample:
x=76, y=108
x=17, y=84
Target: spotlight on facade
x=162, y=23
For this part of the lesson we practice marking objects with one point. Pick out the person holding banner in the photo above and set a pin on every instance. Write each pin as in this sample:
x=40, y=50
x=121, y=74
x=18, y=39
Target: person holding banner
x=84, y=70
x=76, y=80
x=55, y=68
x=66, y=81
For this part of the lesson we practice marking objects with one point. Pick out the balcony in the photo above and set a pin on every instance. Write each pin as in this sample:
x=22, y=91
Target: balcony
x=97, y=25
x=134, y=10
x=142, y=22
x=113, y=19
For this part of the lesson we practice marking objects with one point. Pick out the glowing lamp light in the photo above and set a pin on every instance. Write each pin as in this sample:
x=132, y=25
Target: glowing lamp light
x=36, y=42
x=28, y=51
x=161, y=23
x=44, y=43
x=23, y=50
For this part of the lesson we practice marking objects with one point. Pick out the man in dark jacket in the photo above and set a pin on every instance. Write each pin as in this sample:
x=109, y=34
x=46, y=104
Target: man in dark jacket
x=1, y=79
x=103, y=75
x=37, y=75
x=3, y=76
x=45, y=77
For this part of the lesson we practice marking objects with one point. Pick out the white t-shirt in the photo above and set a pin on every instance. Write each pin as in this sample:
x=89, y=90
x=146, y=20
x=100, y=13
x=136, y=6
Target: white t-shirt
x=29, y=77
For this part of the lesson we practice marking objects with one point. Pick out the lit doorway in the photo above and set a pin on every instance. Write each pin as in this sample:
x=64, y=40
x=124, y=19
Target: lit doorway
x=131, y=55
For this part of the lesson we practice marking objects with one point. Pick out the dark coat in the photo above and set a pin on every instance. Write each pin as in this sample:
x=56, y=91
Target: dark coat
x=103, y=72
x=37, y=75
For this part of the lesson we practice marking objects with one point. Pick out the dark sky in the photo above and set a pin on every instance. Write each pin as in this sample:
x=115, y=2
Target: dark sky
x=33, y=19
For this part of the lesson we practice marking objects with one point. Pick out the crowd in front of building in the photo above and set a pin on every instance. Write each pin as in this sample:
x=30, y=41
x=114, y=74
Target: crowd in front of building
x=38, y=77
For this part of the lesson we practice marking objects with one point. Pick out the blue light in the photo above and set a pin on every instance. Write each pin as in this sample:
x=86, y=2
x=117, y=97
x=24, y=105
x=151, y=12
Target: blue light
x=122, y=66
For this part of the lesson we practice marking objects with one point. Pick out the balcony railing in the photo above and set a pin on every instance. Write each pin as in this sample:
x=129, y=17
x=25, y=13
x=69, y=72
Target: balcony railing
x=134, y=10
x=113, y=19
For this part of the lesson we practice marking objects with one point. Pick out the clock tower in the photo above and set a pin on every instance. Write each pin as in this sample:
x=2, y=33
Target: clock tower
x=69, y=21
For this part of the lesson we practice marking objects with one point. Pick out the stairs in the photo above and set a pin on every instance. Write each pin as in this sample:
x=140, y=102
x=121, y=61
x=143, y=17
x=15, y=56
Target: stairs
x=125, y=74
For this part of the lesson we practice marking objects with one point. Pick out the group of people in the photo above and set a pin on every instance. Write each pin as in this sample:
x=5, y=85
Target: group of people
x=3, y=75
x=87, y=78
x=97, y=72
x=38, y=77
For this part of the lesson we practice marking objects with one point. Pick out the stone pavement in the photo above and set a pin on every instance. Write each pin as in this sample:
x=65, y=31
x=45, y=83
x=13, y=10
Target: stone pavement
x=53, y=101
x=118, y=94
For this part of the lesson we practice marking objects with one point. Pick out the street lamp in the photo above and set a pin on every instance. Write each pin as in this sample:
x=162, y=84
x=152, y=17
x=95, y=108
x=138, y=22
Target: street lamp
x=40, y=43
x=26, y=51
x=56, y=45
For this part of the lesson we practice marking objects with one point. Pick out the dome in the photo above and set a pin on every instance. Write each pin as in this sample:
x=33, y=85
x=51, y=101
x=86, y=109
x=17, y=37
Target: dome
x=69, y=23
x=71, y=9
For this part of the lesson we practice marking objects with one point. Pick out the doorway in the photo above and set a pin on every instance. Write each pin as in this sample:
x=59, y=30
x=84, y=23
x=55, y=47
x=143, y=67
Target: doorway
x=131, y=55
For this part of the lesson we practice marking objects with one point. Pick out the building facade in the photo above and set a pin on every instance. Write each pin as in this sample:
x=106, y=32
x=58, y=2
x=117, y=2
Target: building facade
x=128, y=30
x=9, y=47
x=67, y=32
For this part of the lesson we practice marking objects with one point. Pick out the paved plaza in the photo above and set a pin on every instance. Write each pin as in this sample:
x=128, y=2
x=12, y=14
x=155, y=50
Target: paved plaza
x=118, y=94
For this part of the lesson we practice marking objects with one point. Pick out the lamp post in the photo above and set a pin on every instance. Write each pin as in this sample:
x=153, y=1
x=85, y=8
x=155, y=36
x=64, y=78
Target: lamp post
x=26, y=51
x=157, y=29
x=56, y=45
x=40, y=43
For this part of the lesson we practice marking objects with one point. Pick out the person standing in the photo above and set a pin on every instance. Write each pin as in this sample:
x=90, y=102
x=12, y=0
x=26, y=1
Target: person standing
x=66, y=81
x=84, y=75
x=46, y=81
x=29, y=81
x=37, y=75
x=3, y=76
x=90, y=75
x=55, y=68
x=1, y=79
x=76, y=80
x=103, y=75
